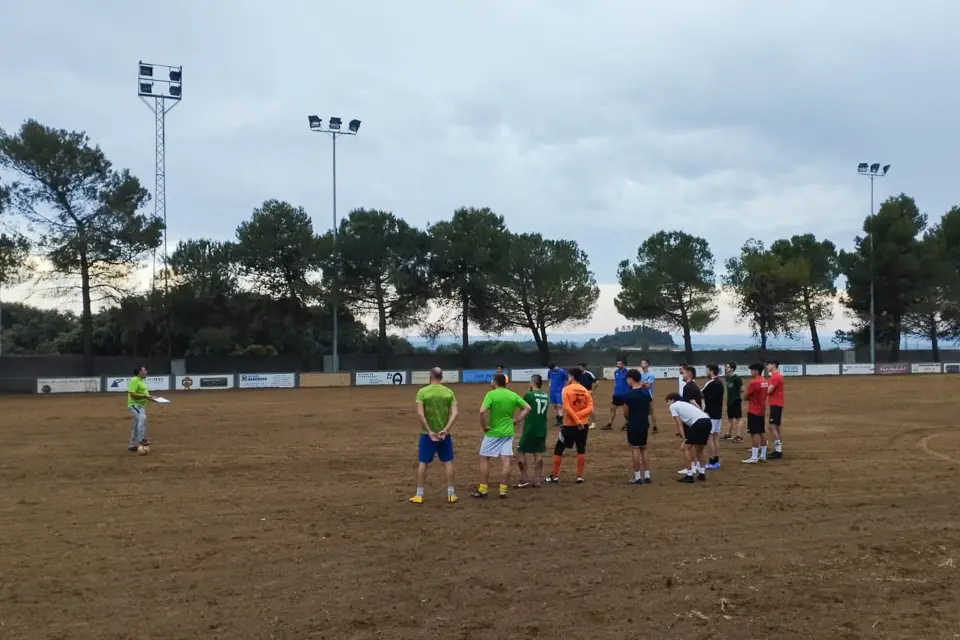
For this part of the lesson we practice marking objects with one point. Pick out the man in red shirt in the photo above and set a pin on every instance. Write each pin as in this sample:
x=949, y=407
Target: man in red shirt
x=756, y=395
x=775, y=398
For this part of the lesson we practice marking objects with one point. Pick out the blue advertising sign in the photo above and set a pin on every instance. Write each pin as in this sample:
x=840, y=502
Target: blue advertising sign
x=475, y=376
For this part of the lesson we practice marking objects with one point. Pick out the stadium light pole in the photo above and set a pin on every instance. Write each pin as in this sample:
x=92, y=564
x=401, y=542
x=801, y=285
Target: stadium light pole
x=160, y=94
x=334, y=130
x=872, y=171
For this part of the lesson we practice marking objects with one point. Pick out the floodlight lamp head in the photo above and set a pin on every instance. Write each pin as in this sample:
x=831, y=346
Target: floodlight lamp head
x=176, y=91
x=175, y=75
x=146, y=88
x=862, y=167
x=354, y=126
x=314, y=122
x=875, y=167
x=334, y=123
x=886, y=168
x=146, y=70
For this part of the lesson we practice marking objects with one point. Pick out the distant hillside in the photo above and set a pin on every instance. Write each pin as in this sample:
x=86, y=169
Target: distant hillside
x=637, y=336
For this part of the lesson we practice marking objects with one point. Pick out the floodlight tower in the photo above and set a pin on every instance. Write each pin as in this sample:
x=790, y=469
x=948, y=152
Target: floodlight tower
x=872, y=171
x=334, y=131
x=161, y=95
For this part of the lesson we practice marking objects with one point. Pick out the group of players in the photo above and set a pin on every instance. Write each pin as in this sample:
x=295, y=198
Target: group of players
x=696, y=411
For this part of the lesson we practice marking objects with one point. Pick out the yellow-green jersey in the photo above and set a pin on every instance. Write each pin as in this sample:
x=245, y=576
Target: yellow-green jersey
x=139, y=386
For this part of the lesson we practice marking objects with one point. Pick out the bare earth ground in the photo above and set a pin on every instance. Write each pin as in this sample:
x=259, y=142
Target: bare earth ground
x=284, y=514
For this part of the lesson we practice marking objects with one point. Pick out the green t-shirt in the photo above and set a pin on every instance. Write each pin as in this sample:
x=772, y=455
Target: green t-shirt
x=437, y=400
x=502, y=404
x=536, y=423
x=734, y=386
x=137, y=385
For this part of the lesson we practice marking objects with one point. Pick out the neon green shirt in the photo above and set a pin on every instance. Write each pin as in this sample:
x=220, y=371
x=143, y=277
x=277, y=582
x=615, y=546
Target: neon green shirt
x=502, y=404
x=137, y=385
x=437, y=400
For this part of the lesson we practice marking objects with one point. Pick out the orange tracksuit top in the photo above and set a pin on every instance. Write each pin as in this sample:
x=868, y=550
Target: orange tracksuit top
x=577, y=405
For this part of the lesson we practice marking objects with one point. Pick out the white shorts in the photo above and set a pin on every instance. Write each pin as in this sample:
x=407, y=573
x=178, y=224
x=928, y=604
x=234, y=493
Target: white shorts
x=496, y=447
x=716, y=426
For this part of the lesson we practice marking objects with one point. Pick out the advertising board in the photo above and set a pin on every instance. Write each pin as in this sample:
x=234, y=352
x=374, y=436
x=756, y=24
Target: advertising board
x=68, y=385
x=205, y=382
x=857, y=369
x=477, y=376
x=423, y=377
x=743, y=370
x=926, y=367
x=154, y=383
x=666, y=372
x=951, y=368
x=822, y=370
x=791, y=369
x=374, y=378
x=524, y=375
x=607, y=373
x=267, y=381
x=892, y=368
x=317, y=380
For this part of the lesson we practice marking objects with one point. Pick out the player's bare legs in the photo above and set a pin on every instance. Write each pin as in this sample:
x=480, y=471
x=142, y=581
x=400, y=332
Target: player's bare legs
x=484, y=470
x=537, y=469
x=504, y=474
x=653, y=418
x=422, y=475
x=698, y=456
x=448, y=471
x=523, y=464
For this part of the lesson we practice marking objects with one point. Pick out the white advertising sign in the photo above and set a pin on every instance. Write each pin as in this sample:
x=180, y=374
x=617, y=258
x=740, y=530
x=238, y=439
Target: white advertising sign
x=205, y=382
x=607, y=373
x=154, y=383
x=267, y=381
x=68, y=385
x=368, y=378
x=926, y=367
x=743, y=370
x=791, y=369
x=665, y=372
x=423, y=377
x=823, y=370
x=524, y=375
x=858, y=369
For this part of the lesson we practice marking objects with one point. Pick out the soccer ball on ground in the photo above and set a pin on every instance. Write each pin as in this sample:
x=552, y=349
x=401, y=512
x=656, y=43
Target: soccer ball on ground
x=143, y=450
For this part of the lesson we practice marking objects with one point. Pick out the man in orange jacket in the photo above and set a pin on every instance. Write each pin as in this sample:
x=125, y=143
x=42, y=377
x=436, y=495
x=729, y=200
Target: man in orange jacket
x=577, y=409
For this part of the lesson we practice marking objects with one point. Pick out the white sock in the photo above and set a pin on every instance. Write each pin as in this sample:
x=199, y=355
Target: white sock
x=694, y=468
x=777, y=446
x=450, y=490
x=419, y=492
x=755, y=453
x=763, y=451
x=646, y=475
x=637, y=475
x=691, y=472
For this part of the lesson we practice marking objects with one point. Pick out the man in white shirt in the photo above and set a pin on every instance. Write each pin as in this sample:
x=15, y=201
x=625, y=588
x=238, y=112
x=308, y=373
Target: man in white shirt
x=695, y=426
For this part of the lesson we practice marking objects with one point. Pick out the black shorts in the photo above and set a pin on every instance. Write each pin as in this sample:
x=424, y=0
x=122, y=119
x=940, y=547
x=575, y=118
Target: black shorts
x=755, y=425
x=734, y=411
x=572, y=437
x=776, y=416
x=699, y=432
x=637, y=436
x=617, y=402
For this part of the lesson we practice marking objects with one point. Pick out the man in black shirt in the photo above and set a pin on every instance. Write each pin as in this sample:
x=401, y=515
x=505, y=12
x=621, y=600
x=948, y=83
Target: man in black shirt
x=713, y=406
x=636, y=408
x=691, y=392
x=589, y=381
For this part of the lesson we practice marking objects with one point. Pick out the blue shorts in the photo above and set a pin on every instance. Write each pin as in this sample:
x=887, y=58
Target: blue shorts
x=556, y=399
x=428, y=449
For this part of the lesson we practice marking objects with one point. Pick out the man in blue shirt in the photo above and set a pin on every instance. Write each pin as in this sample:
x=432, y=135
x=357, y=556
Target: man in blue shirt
x=647, y=379
x=589, y=382
x=557, y=378
x=620, y=389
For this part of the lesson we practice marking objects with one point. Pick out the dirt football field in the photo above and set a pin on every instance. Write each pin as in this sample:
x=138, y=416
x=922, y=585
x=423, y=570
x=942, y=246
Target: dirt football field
x=285, y=514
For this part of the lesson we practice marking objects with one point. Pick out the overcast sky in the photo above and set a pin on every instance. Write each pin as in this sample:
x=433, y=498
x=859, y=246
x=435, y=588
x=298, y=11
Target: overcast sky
x=601, y=120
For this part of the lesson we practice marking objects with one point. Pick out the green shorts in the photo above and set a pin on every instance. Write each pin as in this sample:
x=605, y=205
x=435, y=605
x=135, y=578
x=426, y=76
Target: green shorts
x=532, y=443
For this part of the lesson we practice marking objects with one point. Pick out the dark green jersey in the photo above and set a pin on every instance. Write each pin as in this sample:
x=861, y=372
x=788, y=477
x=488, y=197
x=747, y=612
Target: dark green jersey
x=734, y=388
x=536, y=423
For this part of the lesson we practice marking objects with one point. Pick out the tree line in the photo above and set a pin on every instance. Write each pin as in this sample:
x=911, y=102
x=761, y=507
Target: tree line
x=273, y=287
